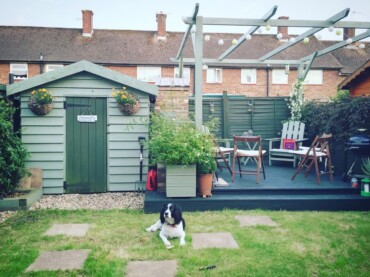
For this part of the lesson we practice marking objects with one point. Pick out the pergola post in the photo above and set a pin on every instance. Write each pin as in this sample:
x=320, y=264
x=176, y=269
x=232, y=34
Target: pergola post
x=198, y=79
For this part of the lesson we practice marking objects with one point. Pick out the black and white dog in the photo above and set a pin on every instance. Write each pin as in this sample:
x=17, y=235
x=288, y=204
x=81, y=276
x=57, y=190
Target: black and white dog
x=171, y=223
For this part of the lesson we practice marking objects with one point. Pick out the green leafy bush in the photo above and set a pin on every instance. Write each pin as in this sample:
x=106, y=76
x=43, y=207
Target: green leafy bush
x=342, y=119
x=179, y=142
x=13, y=154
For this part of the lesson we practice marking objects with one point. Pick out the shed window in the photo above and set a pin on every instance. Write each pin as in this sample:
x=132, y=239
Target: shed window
x=148, y=74
x=248, y=76
x=185, y=72
x=51, y=67
x=314, y=77
x=19, y=70
x=279, y=76
x=214, y=75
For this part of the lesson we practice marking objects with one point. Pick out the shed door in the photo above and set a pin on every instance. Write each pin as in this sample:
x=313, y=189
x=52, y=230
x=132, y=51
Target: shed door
x=86, y=168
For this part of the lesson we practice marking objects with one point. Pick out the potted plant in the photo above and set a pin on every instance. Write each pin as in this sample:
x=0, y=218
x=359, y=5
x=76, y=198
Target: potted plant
x=206, y=167
x=41, y=101
x=127, y=103
x=179, y=146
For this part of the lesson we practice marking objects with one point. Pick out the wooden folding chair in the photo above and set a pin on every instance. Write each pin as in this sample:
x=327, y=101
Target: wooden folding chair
x=319, y=150
x=257, y=154
x=220, y=156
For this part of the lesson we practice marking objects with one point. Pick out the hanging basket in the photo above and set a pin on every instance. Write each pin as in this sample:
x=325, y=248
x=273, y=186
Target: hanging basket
x=39, y=109
x=129, y=109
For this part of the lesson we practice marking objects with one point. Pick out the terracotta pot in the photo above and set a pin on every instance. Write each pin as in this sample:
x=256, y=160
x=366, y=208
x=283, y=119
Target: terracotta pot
x=205, y=184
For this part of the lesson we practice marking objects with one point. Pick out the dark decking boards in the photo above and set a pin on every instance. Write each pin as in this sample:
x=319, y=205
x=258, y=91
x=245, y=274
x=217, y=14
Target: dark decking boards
x=277, y=192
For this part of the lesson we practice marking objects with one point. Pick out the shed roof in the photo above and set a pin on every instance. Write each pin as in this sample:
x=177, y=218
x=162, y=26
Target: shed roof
x=346, y=83
x=82, y=66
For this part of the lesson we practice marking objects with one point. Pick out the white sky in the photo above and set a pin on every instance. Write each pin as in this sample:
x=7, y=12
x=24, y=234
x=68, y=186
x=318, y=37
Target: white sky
x=140, y=14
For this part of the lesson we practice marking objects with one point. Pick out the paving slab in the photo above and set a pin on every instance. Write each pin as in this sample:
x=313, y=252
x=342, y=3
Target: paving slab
x=77, y=230
x=60, y=260
x=166, y=268
x=213, y=240
x=254, y=220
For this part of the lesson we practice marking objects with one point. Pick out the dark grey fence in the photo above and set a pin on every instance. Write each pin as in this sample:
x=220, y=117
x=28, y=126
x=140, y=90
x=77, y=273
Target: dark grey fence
x=238, y=114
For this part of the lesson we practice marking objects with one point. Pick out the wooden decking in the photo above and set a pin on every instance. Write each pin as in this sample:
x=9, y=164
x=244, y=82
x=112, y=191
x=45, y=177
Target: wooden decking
x=277, y=192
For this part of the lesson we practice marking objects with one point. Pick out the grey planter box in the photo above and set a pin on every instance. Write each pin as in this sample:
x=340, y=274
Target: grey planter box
x=22, y=202
x=180, y=181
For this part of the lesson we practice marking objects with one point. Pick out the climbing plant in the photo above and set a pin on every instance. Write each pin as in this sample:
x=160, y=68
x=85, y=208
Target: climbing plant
x=295, y=100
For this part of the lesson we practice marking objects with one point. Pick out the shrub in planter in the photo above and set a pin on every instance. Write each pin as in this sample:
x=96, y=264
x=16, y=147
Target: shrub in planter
x=13, y=153
x=175, y=142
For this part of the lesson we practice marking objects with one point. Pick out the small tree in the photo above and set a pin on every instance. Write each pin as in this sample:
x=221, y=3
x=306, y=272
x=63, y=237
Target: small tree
x=295, y=100
x=13, y=154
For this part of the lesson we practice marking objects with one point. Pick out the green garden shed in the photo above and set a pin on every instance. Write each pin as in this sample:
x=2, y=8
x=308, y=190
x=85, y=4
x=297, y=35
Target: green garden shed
x=85, y=144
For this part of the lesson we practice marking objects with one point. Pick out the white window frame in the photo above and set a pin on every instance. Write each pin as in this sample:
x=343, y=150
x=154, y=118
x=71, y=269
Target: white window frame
x=279, y=77
x=51, y=67
x=18, y=70
x=148, y=74
x=185, y=72
x=214, y=75
x=314, y=77
x=248, y=76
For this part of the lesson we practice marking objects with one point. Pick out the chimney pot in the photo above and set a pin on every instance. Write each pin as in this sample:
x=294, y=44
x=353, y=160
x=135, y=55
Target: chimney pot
x=282, y=29
x=161, y=25
x=87, y=23
x=348, y=33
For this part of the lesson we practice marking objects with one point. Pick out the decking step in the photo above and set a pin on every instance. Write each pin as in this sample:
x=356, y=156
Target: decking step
x=246, y=201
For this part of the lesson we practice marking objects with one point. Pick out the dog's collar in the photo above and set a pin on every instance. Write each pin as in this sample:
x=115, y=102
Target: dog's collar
x=172, y=225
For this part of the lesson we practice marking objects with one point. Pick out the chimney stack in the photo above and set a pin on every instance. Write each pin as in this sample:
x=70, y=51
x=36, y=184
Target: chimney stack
x=161, y=25
x=87, y=23
x=348, y=33
x=283, y=30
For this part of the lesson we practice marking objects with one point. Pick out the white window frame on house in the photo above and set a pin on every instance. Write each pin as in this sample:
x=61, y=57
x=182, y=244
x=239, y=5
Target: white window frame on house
x=148, y=74
x=185, y=72
x=214, y=75
x=51, y=67
x=314, y=77
x=19, y=70
x=280, y=77
x=248, y=76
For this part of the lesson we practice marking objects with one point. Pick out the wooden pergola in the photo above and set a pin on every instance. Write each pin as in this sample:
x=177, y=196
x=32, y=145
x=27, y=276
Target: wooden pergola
x=303, y=63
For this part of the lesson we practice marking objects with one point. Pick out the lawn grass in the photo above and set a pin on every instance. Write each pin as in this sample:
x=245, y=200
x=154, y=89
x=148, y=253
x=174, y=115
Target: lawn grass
x=304, y=243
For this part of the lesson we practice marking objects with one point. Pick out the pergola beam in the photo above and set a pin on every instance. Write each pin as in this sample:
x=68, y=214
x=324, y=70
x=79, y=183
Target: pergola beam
x=265, y=18
x=302, y=70
x=279, y=23
x=308, y=33
x=339, y=45
x=191, y=61
x=186, y=35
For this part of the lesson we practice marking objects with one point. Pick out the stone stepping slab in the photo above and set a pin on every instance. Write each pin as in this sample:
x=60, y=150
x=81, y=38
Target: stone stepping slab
x=166, y=268
x=77, y=230
x=60, y=260
x=254, y=220
x=213, y=240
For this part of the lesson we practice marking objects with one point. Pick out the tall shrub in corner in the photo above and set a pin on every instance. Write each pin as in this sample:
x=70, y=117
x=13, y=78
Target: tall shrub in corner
x=13, y=153
x=295, y=100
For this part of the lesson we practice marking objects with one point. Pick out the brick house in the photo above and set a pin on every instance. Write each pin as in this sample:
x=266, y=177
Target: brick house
x=146, y=55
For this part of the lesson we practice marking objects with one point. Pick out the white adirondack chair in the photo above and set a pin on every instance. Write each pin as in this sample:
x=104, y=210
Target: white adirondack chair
x=291, y=130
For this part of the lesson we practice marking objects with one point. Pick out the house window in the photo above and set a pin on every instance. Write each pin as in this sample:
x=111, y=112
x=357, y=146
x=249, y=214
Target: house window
x=19, y=70
x=314, y=77
x=279, y=76
x=214, y=75
x=248, y=76
x=185, y=72
x=51, y=67
x=148, y=74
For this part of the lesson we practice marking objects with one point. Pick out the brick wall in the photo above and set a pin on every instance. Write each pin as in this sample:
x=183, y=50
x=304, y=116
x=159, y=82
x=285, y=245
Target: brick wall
x=230, y=83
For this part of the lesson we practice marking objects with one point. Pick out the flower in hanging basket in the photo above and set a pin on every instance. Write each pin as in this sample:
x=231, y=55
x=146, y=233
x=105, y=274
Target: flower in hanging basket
x=127, y=103
x=41, y=101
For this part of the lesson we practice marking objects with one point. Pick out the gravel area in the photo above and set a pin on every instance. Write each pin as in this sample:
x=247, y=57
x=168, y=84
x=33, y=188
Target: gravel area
x=102, y=201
